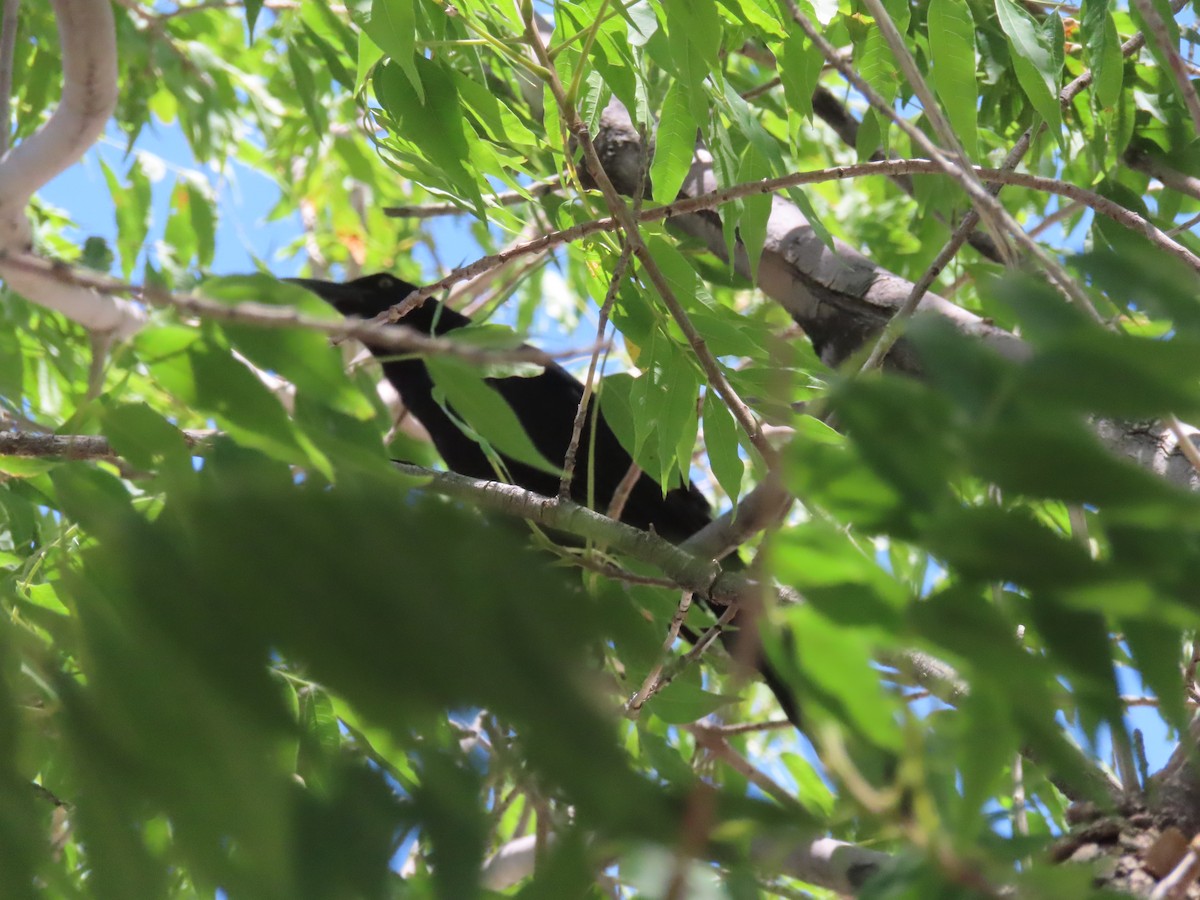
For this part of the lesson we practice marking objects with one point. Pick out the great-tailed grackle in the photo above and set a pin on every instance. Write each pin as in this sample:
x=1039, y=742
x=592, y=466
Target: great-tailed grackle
x=545, y=405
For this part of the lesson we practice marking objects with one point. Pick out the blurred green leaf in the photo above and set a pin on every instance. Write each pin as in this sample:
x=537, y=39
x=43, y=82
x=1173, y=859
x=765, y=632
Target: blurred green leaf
x=144, y=438
x=132, y=204
x=680, y=703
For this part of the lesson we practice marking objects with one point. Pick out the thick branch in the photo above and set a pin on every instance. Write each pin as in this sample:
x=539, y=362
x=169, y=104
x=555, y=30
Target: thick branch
x=89, y=54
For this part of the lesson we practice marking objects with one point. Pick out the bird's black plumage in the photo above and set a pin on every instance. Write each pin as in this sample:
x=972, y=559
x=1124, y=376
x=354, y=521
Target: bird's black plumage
x=545, y=405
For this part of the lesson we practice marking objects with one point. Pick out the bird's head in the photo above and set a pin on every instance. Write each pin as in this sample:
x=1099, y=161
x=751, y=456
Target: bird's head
x=370, y=295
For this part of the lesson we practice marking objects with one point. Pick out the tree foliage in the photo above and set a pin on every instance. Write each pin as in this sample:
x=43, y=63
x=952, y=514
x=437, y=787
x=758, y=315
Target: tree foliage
x=244, y=652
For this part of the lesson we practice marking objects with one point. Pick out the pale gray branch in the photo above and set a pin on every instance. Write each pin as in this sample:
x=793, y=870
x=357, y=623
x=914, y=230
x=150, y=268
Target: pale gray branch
x=89, y=53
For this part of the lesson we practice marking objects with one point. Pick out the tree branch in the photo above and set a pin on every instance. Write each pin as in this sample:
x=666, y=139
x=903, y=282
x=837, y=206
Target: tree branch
x=398, y=338
x=75, y=446
x=89, y=53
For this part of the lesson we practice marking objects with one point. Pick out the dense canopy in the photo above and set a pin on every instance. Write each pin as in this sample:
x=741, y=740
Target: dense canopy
x=907, y=291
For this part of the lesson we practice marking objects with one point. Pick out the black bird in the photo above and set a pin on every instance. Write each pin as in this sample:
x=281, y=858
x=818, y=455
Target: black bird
x=545, y=405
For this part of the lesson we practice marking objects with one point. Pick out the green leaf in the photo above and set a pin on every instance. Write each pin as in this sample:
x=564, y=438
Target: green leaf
x=93, y=498
x=306, y=87
x=484, y=410
x=433, y=121
x=986, y=543
x=674, y=146
x=369, y=53
x=449, y=801
x=836, y=477
x=25, y=466
x=877, y=66
x=721, y=443
x=1102, y=45
x=253, y=8
x=332, y=57
x=500, y=123
x=616, y=404
x=680, y=703
x=204, y=223
x=960, y=622
x=811, y=790
x=392, y=25
x=521, y=656
x=700, y=23
x=800, y=64
x=305, y=358
x=1157, y=651
x=209, y=379
x=1036, y=61
x=838, y=660
x=1040, y=453
x=680, y=419
x=755, y=209
x=988, y=746
x=1078, y=642
x=180, y=234
x=144, y=438
x=1111, y=374
x=838, y=578
x=132, y=205
x=903, y=430
x=952, y=48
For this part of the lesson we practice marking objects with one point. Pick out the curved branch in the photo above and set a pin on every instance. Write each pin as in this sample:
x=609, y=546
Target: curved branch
x=89, y=53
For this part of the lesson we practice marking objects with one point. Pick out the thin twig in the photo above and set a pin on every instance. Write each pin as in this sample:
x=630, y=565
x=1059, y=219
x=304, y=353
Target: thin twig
x=1020, y=813
x=1064, y=212
x=1183, y=876
x=616, y=506
x=508, y=198
x=765, y=88
x=1186, y=447
x=1157, y=27
x=750, y=727
x=397, y=338
x=888, y=167
x=610, y=297
x=941, y=125
x=895, y=326
x=648, y=688
x=663, y=672
x=617, y=573
x=714, y=742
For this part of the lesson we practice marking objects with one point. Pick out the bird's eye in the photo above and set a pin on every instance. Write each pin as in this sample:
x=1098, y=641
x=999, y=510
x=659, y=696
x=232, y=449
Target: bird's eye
x=387, y=282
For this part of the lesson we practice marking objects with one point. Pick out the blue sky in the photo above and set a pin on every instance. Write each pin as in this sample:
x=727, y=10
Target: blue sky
x=245, y=198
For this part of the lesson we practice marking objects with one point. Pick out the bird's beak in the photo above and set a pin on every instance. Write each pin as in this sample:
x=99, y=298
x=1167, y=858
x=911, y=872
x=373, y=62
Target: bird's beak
x=341, y=297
